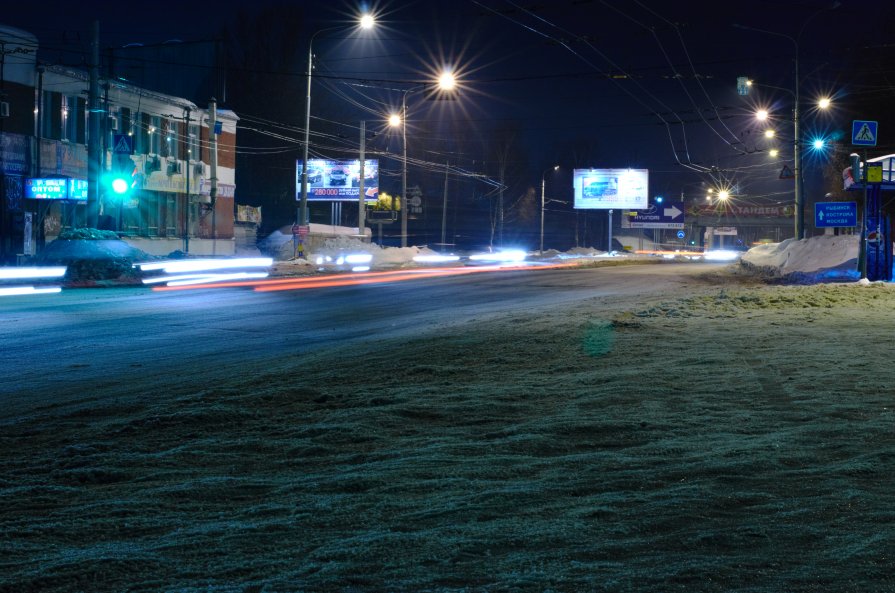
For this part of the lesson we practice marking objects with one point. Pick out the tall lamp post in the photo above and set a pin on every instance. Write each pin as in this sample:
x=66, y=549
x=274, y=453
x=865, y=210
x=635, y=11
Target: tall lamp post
x=799, y=224
x=365, y=22
x=543, y=183
x=446, y=82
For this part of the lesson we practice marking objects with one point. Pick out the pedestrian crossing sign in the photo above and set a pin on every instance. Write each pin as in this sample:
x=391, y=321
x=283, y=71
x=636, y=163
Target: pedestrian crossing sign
x=122, y=144
x=863, y=133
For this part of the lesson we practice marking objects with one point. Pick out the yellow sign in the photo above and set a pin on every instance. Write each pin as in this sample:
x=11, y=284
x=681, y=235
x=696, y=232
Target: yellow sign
x=874, y=174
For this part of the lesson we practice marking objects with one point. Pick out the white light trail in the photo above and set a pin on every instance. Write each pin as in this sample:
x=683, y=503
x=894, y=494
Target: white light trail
x=32, y=272
x=28, y=290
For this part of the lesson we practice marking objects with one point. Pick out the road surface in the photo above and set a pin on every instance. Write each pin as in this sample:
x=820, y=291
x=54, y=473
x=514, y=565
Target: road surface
x=99, y=340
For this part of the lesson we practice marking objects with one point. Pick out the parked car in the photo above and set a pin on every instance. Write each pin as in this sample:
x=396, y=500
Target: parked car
x=338, y=177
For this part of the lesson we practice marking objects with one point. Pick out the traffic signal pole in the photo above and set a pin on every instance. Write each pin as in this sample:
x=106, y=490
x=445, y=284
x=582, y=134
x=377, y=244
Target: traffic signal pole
x=95, y=111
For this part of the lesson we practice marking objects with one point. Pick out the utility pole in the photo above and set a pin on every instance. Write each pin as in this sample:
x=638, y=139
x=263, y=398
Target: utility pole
x=360, y=180
x=94, y=111
x=213, y=157
x=797, y=160
x=609, y=247
x=444, y=206
x=403, y=170
x=186, y=201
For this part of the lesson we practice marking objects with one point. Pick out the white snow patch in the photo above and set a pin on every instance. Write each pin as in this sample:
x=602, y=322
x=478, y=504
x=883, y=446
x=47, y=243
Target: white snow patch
x=818, y=257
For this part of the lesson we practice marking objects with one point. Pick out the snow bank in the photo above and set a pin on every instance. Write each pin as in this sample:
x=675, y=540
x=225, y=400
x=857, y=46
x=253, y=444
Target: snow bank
x=827, y=257
x=89, y=260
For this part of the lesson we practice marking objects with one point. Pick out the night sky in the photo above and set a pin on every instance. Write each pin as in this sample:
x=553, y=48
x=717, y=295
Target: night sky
x=574, y=82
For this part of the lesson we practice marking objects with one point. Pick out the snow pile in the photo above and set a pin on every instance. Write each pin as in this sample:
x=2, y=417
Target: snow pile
x=90, y=259
x=827, y=257
x=340, y=242
x=382, y=256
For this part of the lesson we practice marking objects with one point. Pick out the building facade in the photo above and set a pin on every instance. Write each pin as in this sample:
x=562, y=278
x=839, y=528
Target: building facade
x=44, y=131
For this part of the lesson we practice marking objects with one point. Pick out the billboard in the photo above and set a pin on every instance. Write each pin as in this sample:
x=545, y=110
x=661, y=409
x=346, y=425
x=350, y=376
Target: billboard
x=55, y=188
x=610, y=188
x=338, y=180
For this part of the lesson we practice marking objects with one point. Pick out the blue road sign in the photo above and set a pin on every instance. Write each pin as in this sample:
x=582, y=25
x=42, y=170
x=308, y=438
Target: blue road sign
x=681, y=234
x=122, y=144
x=863, y=133
x=835, y=214
x=667, y=215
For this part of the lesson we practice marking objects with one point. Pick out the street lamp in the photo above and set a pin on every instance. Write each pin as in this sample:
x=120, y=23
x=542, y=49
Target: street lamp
x=446, y=82
x=365, y=22
x=797, y=161
x=762, y=115
x=543, y=183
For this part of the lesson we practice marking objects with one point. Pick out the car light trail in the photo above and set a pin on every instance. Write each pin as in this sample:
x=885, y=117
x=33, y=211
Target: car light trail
x=357, y=279
x=435, y=259
x=205, y=265
x=28, y=290
x=201, y=271
x=32, y=272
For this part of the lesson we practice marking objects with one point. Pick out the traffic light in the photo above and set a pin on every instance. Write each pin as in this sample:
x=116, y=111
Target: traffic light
x=120, y=180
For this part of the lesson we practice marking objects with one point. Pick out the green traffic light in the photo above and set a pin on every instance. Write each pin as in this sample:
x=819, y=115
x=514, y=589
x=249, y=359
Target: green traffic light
x=119, y=185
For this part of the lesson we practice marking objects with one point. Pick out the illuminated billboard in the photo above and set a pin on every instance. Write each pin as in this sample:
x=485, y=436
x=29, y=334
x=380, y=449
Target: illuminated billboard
x=610, y=188
x=56, y=189
x=338, y=180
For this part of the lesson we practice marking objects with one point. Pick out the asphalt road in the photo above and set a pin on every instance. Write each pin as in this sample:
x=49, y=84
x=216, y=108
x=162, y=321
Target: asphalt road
x=90, y=342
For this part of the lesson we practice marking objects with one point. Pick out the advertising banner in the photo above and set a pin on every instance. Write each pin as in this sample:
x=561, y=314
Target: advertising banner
x=338, y=180
x=610, y=188
x=56, y=189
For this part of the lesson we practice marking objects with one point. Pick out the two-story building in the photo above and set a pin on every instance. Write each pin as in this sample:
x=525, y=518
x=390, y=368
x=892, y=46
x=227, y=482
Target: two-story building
x=44, y=126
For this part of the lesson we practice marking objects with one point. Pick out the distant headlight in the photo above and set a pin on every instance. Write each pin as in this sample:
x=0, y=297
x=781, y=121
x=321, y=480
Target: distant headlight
x=721, y=255
x=359, y=258
x=514, y=255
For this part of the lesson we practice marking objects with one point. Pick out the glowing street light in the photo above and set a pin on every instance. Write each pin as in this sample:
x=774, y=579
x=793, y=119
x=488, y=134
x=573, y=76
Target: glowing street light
x=824, y=103
x=769, y=133
x=773, y=152
x=799, y=222
x=761, y=114
x=723, y=195
x=365, y=22
x=445, y=82
x=818, y=144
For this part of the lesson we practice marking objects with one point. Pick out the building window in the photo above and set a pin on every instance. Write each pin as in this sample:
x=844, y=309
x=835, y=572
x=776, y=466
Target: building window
x=125, y=124
x=154, y=134
x=172, y=140
x=74, y=119
x=141, y=124
x=51, y=116
x=194, y=153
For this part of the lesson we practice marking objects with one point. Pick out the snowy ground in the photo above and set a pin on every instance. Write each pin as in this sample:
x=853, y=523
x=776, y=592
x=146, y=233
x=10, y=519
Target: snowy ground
x=729, y=435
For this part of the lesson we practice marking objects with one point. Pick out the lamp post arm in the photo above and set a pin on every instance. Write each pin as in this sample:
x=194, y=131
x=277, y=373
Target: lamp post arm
x=756, y=29
x=770, y=86
x=302, y=214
